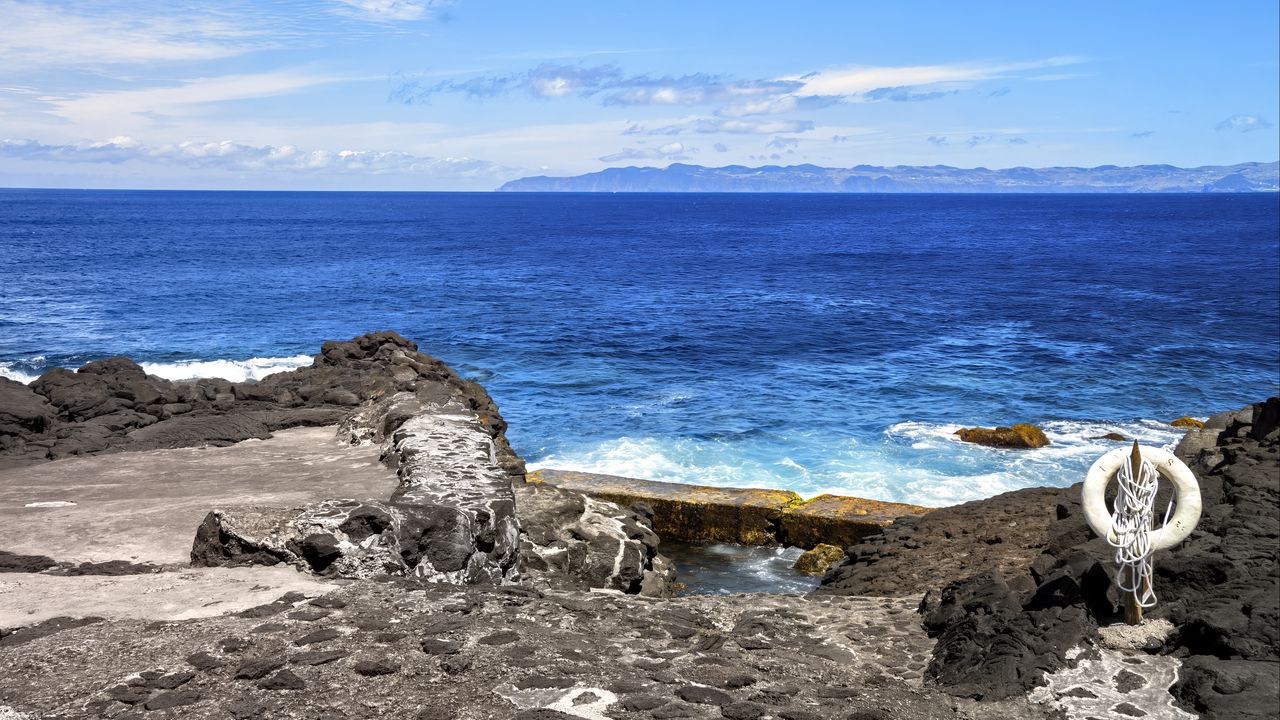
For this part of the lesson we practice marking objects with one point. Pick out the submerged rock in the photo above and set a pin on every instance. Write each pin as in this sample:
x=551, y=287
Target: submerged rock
x=818, y=560
x=1020, y=435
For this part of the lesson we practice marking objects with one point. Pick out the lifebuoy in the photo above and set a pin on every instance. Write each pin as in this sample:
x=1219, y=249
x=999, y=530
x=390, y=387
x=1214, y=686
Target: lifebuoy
x=1171, y=468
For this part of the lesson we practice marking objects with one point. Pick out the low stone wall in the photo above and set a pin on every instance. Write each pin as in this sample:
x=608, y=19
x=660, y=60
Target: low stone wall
x=748, y=516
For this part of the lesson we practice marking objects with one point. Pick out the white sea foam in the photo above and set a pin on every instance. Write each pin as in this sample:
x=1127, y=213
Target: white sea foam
x=913, y=462
x=8, y=370
x=231, y=370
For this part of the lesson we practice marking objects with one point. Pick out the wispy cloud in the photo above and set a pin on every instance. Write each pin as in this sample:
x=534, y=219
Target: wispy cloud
x=1243, y=123
x=607, y=83
x=936, y=140
x=390, y=10
x=906, y=94
x=1143, y=134
x=124, y=107
x=782, y=143
x=669, y=151
x=228, y=155
x=976, y=140
x=858, y=81
x=36, y=34
x=610, y=85
x=732, y=126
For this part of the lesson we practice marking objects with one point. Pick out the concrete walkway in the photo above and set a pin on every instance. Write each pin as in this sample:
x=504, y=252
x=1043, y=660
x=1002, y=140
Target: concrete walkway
x=145, y=506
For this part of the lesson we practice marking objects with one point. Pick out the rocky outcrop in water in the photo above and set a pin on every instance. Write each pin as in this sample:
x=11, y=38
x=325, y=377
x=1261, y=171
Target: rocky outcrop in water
x=1020, y=436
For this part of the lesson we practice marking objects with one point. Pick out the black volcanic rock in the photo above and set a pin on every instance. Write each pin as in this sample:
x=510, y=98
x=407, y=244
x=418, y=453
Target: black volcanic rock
x=112, y=405
x=1000, y=631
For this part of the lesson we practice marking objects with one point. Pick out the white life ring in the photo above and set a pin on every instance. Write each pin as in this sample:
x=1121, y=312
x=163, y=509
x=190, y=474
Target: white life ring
x=1171, y=468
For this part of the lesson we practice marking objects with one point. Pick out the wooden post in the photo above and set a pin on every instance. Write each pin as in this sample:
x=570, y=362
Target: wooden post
x=1132, y=610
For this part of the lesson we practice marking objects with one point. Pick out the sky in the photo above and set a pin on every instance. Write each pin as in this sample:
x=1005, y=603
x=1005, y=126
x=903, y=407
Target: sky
x=467, y=94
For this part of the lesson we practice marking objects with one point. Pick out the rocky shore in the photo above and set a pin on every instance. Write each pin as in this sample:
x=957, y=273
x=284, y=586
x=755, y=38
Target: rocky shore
x=357, y=539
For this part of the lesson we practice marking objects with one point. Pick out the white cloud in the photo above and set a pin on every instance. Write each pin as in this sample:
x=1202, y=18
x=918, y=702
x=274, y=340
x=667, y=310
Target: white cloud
x=1243, y=123
x=845, y=82
x=229, y=155
x=669, y=151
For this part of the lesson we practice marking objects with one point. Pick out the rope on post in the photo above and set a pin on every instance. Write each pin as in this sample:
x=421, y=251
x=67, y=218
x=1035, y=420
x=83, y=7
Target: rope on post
x=1127, y=524
x=1131, y=528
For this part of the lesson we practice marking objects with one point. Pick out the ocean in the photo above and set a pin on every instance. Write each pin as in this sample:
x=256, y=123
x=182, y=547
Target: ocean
x=818, y=343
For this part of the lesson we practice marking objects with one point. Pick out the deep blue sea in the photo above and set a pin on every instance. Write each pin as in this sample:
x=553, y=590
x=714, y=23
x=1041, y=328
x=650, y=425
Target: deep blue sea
x=811, y=342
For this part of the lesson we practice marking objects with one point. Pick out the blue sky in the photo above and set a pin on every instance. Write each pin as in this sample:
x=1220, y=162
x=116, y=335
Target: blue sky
x=463, y=95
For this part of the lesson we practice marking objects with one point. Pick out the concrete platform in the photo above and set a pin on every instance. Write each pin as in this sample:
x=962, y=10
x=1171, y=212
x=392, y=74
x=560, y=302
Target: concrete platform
x=748, y=516
x=145, y=506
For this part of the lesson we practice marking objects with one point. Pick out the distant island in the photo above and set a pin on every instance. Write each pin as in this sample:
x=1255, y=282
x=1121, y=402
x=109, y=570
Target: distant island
x=678, y=177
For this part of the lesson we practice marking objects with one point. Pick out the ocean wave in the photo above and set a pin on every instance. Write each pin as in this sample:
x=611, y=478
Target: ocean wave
x=25, y=371
x=912, y=462
x=13, y=372
x=231, y=370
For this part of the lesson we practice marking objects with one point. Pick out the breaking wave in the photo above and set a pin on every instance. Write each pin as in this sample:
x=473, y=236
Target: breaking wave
x=25, y=371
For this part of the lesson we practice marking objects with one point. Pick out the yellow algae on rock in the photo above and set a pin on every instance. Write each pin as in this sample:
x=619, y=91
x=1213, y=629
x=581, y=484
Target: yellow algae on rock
x=748, y=516
x=1187, y=422
x=818, y=560
x=839, y=520
x=1020, y=435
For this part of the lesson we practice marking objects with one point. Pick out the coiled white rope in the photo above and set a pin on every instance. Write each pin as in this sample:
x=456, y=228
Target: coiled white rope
x=1131, y=530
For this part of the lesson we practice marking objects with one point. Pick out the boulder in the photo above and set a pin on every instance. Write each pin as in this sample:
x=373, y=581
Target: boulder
x=189, y=430
x=1187, y=422
x=1020, y=435
x=23, y=412
x=818, y=560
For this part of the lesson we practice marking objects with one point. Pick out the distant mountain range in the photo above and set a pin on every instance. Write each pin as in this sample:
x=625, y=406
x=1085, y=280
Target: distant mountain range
x=1245, y=177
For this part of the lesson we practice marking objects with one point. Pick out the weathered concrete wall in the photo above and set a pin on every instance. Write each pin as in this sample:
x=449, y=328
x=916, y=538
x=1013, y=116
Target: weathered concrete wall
x=748, y=516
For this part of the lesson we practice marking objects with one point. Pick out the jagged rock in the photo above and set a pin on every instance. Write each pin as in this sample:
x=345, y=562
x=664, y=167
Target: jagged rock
x=1020, y=435
x=130, y=410
x=818, y=560
x=573, y=541
x=913, y=555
